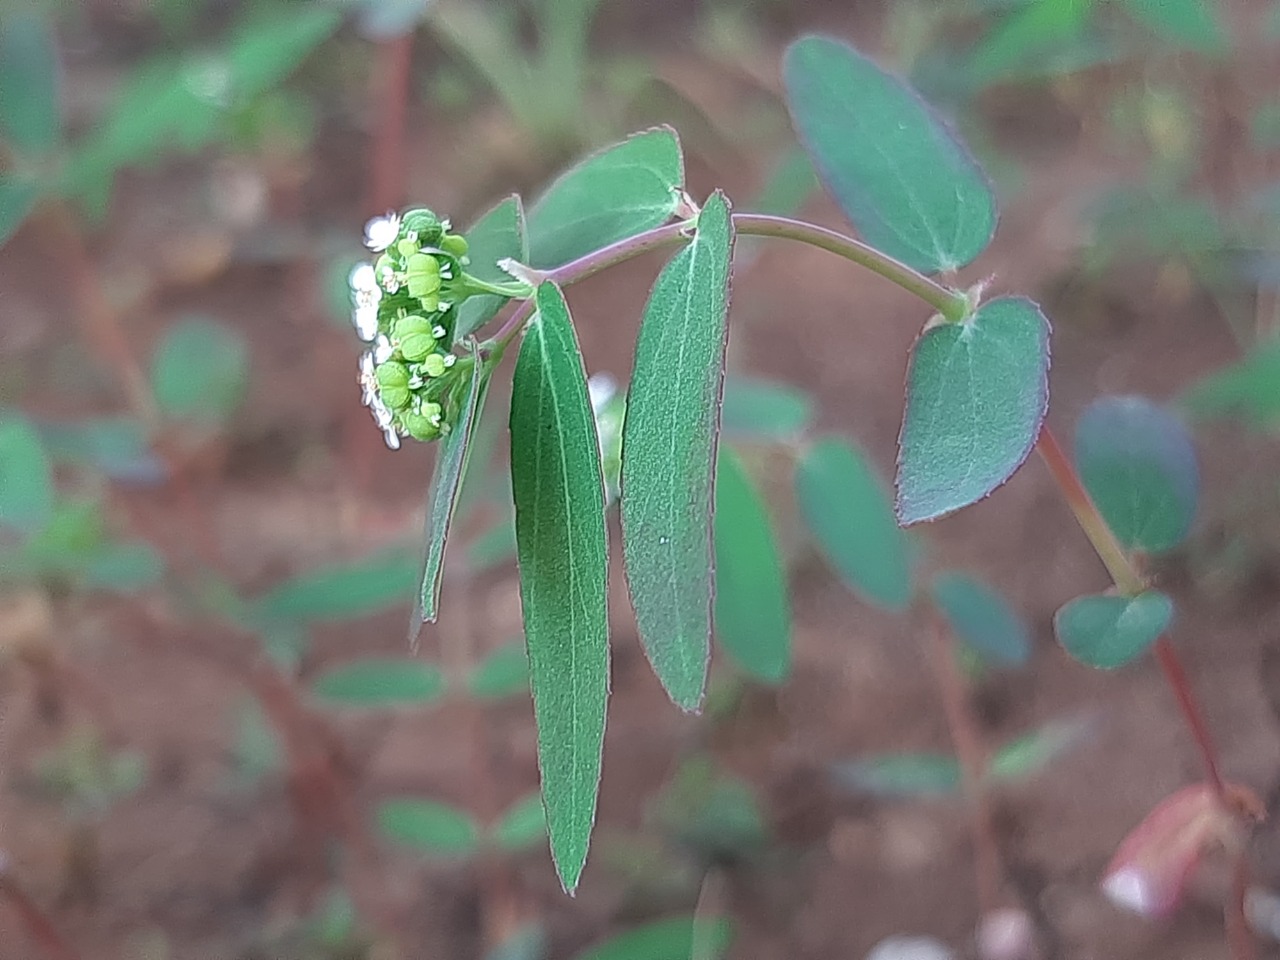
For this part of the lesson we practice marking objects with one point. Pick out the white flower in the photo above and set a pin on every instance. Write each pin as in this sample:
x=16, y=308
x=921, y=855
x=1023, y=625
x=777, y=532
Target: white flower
x=392, y=438
x=382, y=349
x=368, y=380
x=365, y=296
x=381, y=232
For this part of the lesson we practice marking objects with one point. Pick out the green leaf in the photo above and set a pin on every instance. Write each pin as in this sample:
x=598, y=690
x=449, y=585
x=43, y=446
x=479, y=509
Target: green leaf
x=428, y=826
x=621, y=191
x=498, y=235
x=503, y=673
x=376, y=682
x=17, y=199
x=562, y=549
x=903, y=179
x=117, y=446
x=1021, y=42
x=752, y=612
x=523, y=825
x=30, y=117
x=671, y=939
x=26, y=479
x=900, y=775
x=446, y=486
x=763, y=410
x=200, y=372
x=270, y=44
x=1194, y=24
x=1109, y=631
x=977, y=393
x=342, y=591
x=124, y=567
x=791, y=183
x=1028, y=755
x=848, y=512
x=1249, y=388
x=669, y=454
x=982, y=619
x=1137, y=461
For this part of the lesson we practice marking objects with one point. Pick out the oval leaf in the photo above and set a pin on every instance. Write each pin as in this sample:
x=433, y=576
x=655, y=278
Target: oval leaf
x=1137, y=461
x=669, y=453
x=343, y=591
x=977, y=393
x=902, y=178
x=981, y=619
x=200, y=371
x=1249, y=388
x=848, y=512
x=762, y=410
x=498, y=235
x=672, y=939
x=26, y=479
x=1108, y=631
x=379, y=682
x=452, y=454
x=752, y=613
x=1029, y=754
x=428, y=826
x=562, y=549
x=503, y=673
x=30, y=118
x=900, y=775
x=611, y=195
x=523, y=825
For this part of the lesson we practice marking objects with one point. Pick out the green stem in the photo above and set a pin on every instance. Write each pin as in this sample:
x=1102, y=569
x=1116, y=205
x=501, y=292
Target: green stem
x=512, y=290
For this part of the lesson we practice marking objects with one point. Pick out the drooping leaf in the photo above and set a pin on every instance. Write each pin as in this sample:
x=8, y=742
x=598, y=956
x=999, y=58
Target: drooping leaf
x=847, y=510
x=497, y=235
x=1137, y=461
x=1109, y=631
x=903, y=179
x=503, y=673
x=611, y=195
x=524, y=824
x=900, y=775
x=982, y=619
x=669, y=452
x=752, y=611
x=30, y=117
x=562, y=549
x=428, y=826
x=1249, y=388
x=124, y=567
x=381, y=682
x=342, y=591
x=200, y=372
x=452, y=454
x=117, y=446
x=671, y=939
x=17, y=199
x=1029, y=754
x=977, y=393
x=1194, y=24
x=26, y=479
x=763, y=410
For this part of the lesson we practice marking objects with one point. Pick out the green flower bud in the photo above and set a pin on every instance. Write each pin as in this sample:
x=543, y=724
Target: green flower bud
x=392, y=374
x=430, y=302
x=418, y=346
x=433, y=364
x=406, y=247
x=412, y=326
x=425, y=224
x=455, y=244
x=422, y=273
x=423, y=426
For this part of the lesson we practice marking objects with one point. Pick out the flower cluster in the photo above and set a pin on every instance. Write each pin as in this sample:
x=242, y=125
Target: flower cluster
x=405, y=305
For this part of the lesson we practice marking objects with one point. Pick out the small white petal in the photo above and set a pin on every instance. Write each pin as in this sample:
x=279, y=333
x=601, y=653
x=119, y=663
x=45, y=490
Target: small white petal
x=381, y=232
x=362, y=277
x=382, y=349
x=438, y=332
x=450, y=359
x=365, y=320
x=392, y=438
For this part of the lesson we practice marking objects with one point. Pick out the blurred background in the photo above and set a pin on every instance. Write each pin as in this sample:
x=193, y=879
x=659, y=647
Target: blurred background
x=212, y=741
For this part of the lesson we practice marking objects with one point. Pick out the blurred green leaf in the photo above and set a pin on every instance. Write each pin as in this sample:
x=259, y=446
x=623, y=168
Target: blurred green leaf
x=256, y=749
x=526, y=943
x=494, y=547
x=669, y=444
x=1107, y=631
x=343, y=591
x=26, y=479
x=1249, y=388
x=847, y=511
x=66, y=543
x=503, y=673
x=611, y=195
x=381, y=682
x=1194, y=24
x=1264, y=126
x=200, y=372
x=1028, y=755
x=523, y=825
x=1137, y=461
x=1022, y=40
x=982, y=619
x=763, y=410
x=498, y=235
x=671, y=939
x=117, y=446
x=716, y=816
x=428, y=826
x=30, y=116
x=124, y=567
x=900, y=775
x=752, y=611
x=908, y=185
x=791, y=183
x=17, y=199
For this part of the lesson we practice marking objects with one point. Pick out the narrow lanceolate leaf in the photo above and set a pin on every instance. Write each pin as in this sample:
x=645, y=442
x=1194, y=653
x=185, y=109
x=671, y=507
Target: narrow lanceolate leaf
x=524, y=824
x=982, y=619
x=752, y=613
x=446, y=486
x=1249, y=388
x=26, y=478
x=672, y=939
x=609, y=196
x=342, y=591
x=30, y=118
x=1108, y=631
x=849, y=514
x=1138, y=463
x=498, y=235
x=379, y=682
x=428, y=826
x=562, y=549
x=903, y=179
x=200, y=371
x=669, y=454
x=977, y=393
x=899, y=775
x=763, y=410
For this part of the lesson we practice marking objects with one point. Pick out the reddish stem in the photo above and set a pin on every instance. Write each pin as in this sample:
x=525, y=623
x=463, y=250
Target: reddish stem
x=39, y=926
x=391, y=94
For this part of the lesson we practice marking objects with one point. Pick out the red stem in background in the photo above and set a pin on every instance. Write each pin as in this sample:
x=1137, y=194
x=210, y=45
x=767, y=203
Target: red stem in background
x=391, y=97
x=39, y=926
